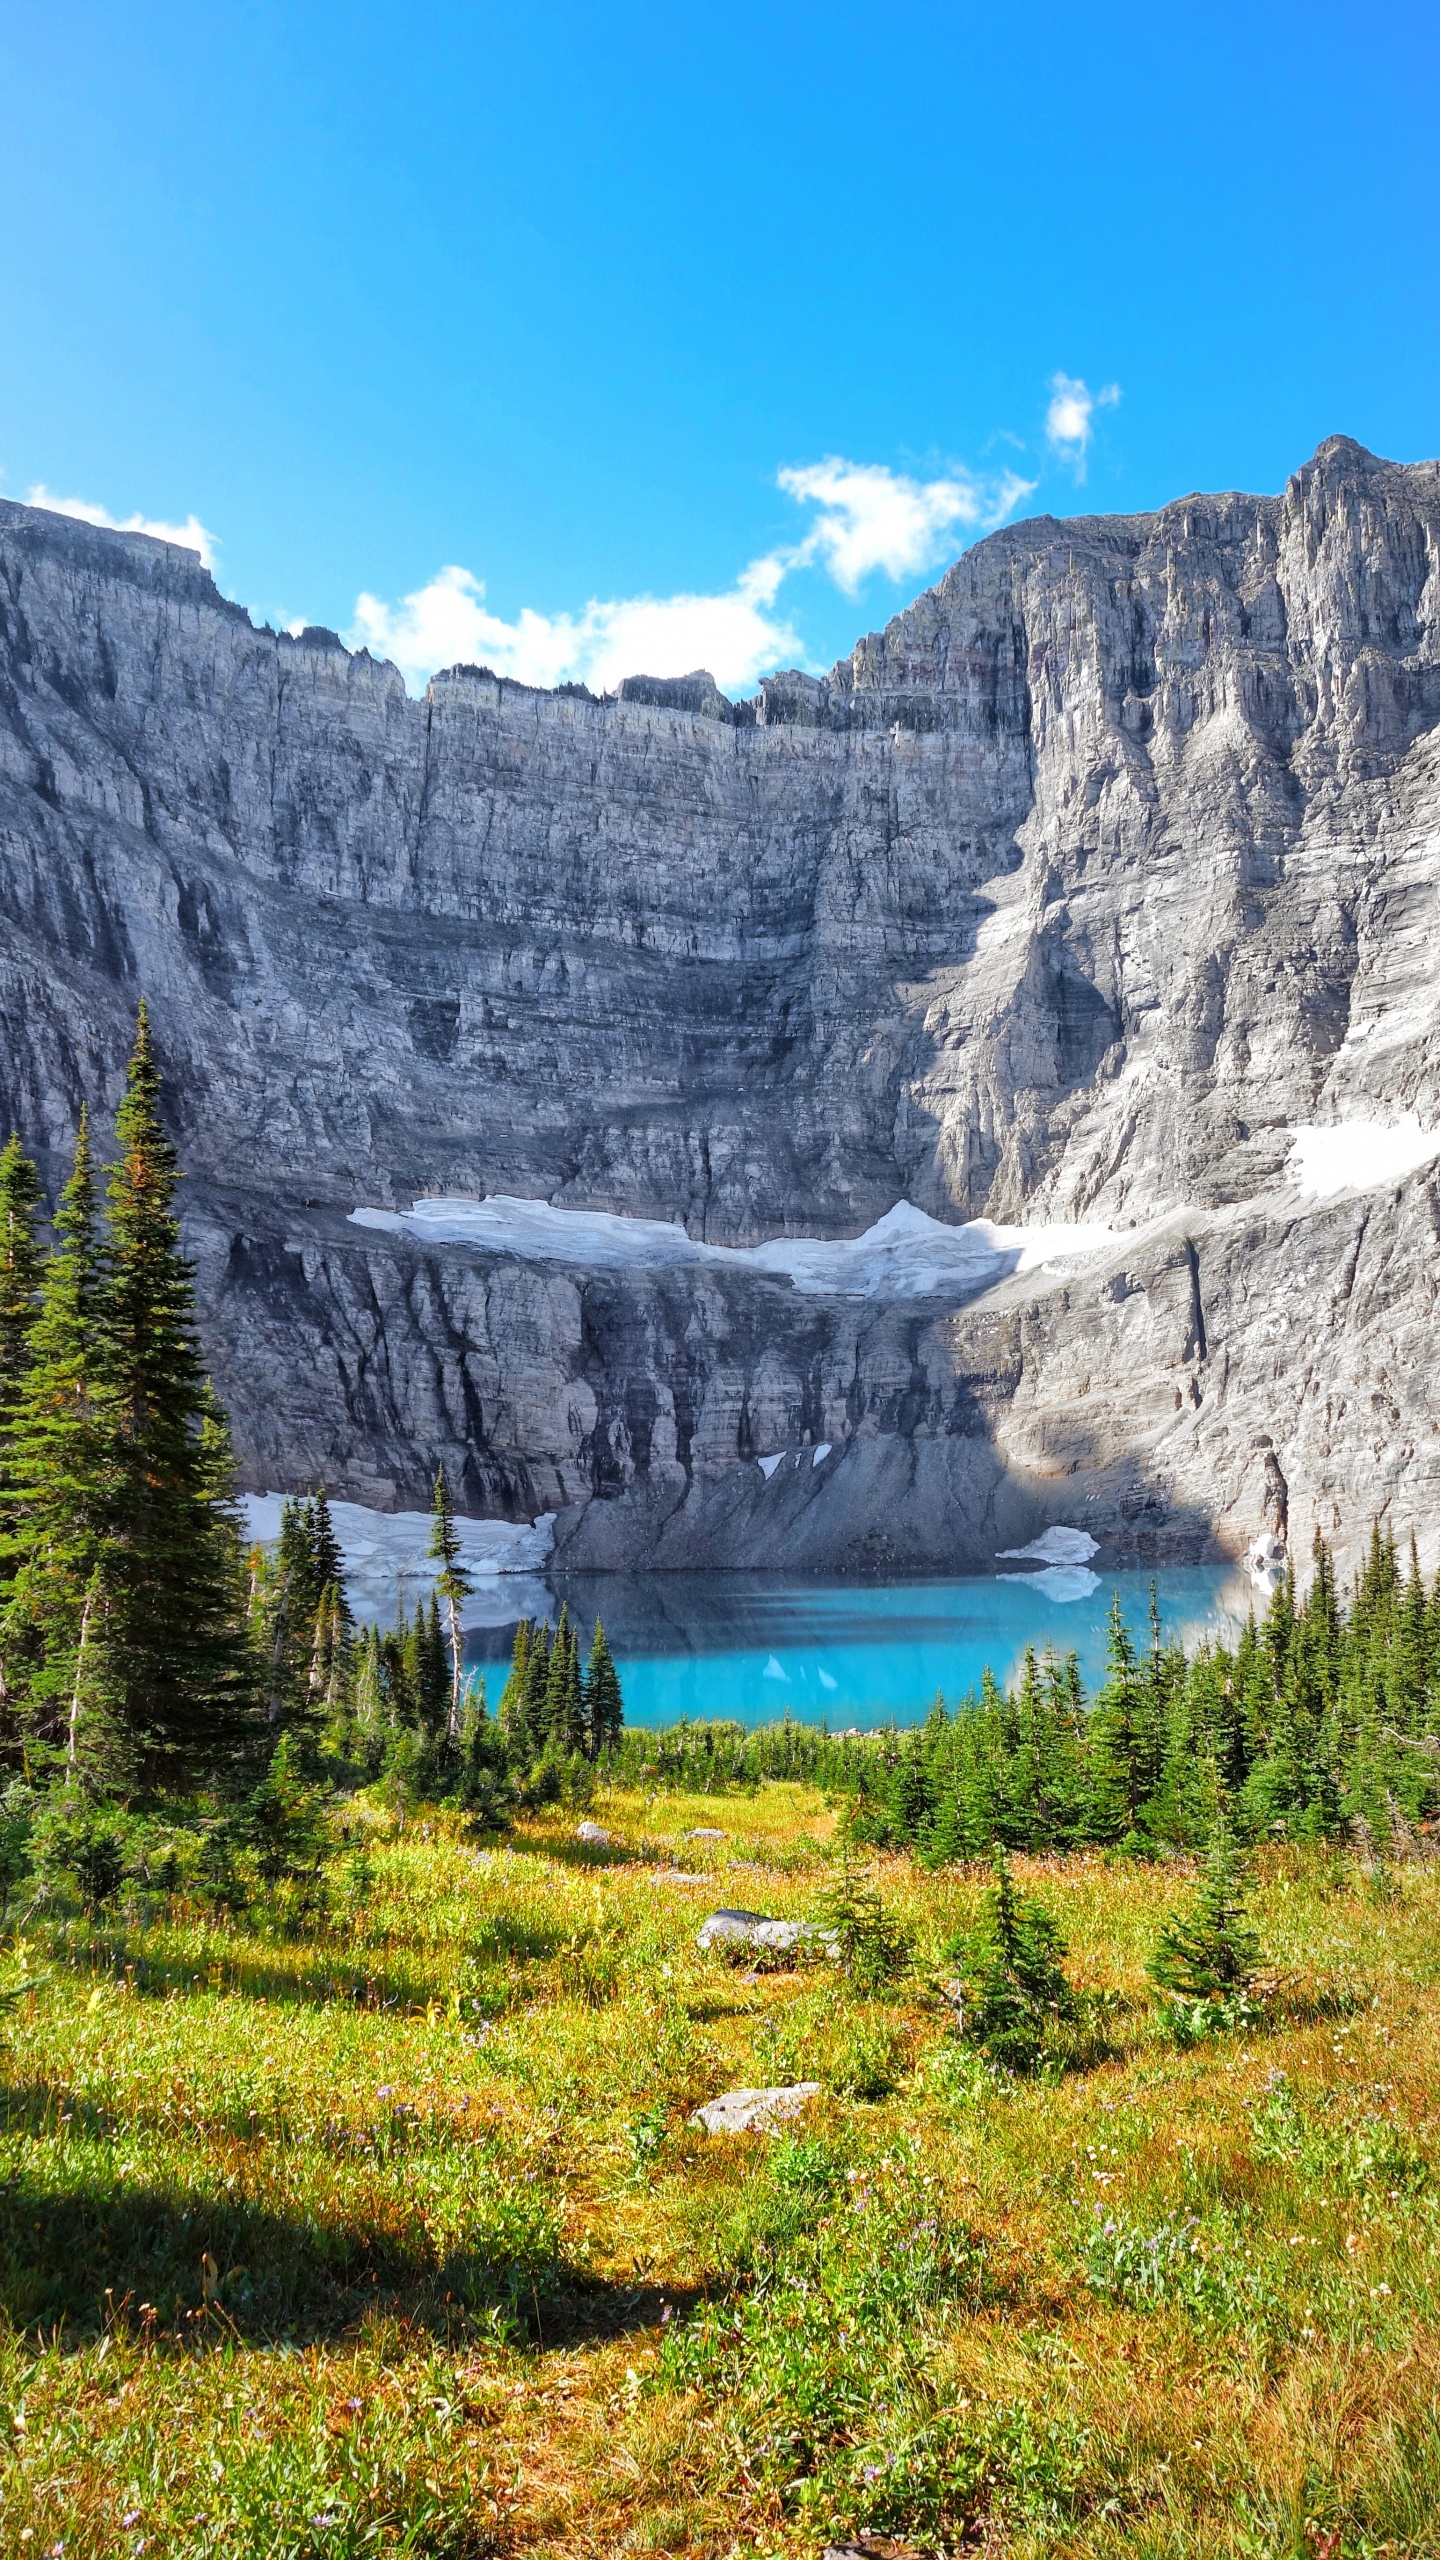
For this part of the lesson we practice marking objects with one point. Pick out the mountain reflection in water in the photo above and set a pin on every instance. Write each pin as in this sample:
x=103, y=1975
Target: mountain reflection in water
x=755, y=1646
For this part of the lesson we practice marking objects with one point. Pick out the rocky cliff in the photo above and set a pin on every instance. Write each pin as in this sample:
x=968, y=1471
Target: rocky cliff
x=1070, y=896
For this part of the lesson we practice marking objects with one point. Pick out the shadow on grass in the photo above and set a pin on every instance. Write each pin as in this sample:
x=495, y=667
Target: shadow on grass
x=587, y=1855
x=259, y=1973
x=188, y=2267
x=315, y=1976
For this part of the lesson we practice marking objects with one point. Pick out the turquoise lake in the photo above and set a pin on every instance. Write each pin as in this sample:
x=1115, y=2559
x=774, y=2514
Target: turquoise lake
x=757, y=1646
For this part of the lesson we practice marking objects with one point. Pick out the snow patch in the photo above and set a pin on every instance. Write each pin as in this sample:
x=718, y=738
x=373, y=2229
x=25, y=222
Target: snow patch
x=1055, y=1546
x=387, y=1568
x=821, y=1451
x=1359, y=1155
x=827, y=1679
x=1265, y=1564
x=767, y=1466
x=904, y=1255
x=775, y=1670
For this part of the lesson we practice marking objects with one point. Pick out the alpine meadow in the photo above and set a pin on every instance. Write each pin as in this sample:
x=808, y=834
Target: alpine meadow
x=359, y=2193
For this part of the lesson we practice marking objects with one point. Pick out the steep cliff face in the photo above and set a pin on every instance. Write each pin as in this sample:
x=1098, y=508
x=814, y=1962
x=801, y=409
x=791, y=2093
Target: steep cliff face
x=1069, y=896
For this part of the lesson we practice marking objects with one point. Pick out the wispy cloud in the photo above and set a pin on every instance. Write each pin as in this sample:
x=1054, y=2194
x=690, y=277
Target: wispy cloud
x=868, y=518
x=1069, y=420
x=191, y=534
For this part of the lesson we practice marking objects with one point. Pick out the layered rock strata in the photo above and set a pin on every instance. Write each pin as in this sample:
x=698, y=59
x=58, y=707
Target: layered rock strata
x=1069, y=896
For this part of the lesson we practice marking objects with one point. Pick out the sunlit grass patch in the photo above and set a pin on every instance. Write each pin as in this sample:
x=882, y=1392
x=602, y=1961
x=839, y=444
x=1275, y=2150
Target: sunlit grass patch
x=393, y=2231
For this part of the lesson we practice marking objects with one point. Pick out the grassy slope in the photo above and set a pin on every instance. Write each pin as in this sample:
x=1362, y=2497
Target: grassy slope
x=300, y=2257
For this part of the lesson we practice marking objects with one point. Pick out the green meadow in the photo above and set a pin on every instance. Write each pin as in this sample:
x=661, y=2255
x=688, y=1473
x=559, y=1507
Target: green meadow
x=376, y=2222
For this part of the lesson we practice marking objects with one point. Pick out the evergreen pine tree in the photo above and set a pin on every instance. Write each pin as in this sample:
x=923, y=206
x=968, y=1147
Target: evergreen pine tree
x=180, y=1662
x=60, y=1467
x=434, y=1684
x=564, y=1706
x=453, y=1584
x=510, y=1714
x=22, y=1265
x=329, y=1562
x=1016, y=1988
x=1213, y=1954
x=604, y=1706
x=530, y=1723
x=1125, y=1740
x=293, y=1594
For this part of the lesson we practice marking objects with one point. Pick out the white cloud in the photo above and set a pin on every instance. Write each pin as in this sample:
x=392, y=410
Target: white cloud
x=873, y=518
x=1069, y=420
x=191, y=534
x=869, y=518
x=736, y=634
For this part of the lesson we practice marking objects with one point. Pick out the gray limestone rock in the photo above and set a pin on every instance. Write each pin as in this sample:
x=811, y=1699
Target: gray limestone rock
x=738, y=1933
x=756, y=2110
x=1067, y=897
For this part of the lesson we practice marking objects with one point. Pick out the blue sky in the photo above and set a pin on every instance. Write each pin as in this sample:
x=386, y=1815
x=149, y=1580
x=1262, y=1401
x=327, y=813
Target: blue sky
x=637, y=337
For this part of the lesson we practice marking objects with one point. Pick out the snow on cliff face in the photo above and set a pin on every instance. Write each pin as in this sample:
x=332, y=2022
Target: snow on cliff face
x=1359, y=1154
x=904, y=1255
x=388, y=1566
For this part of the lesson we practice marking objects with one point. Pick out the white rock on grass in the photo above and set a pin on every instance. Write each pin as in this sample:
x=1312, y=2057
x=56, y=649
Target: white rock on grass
x=594, y=1835
x=704, y=1835
x=756, y=2110
x=677, y=1875
x=734, y=1931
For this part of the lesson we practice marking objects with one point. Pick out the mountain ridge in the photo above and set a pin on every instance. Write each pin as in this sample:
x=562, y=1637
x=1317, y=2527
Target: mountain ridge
x=1067, y=897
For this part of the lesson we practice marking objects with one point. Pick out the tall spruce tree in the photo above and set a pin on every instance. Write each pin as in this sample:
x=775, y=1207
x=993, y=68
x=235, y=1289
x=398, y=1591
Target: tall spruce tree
x=180, y=1660
x=453, y=1585
x=564, y=1705
x=1125, y=1740
x=22, y=1264
x=60, y=1469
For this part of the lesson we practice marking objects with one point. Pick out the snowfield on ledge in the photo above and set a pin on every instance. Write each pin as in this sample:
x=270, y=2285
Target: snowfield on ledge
x=906, y=1254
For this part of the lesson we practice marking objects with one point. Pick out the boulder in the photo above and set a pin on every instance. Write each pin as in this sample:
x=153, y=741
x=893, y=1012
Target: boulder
x=756, y=2110
x=733, y=1931
x=594, y=1835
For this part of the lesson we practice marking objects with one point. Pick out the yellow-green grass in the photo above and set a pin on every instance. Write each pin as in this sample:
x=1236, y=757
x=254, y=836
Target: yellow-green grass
x=392, y=2234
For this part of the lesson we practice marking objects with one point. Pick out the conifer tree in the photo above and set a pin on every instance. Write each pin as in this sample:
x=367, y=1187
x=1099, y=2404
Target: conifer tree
x=61, y=1467
x=604, y=1706
x=531, y=1726
x=1124, y=1740
x=564, y=1705
x=329, y=1561
x=433, y=1671
x=180, y=1661
x=22, y=1264
x=510, y=1713
x=1213, y=1954
x=453, y=1585
x=1018, y=1992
